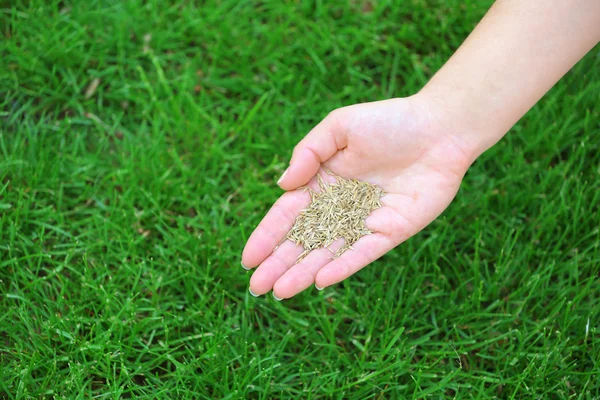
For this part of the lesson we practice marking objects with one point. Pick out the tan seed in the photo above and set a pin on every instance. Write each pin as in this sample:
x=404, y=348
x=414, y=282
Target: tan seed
x=338, y=210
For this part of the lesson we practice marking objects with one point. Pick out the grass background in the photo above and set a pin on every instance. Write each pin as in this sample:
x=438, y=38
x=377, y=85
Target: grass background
x=124, y=210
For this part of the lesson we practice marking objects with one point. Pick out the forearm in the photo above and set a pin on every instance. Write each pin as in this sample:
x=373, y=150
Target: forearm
x=518, y=51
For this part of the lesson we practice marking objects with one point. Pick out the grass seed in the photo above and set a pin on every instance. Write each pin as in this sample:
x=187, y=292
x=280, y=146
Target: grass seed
x=337, y=210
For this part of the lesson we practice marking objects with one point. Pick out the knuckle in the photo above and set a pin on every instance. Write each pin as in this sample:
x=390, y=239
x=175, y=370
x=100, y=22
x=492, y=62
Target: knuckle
x=334, y=115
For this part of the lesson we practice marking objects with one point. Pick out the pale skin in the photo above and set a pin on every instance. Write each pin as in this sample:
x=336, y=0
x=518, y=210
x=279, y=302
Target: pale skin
x=419, y=148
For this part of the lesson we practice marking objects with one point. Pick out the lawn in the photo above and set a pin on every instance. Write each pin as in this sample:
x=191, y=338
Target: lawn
x=140, y=142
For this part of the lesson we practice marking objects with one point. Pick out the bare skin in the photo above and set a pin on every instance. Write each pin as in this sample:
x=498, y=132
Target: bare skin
x=419, y=148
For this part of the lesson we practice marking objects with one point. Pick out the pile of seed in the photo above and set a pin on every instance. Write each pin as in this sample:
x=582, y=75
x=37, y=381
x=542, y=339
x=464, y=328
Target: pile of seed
x=338, y=210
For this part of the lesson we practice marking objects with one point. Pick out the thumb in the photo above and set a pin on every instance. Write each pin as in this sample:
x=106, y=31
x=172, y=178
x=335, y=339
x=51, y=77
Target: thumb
x=321, y=143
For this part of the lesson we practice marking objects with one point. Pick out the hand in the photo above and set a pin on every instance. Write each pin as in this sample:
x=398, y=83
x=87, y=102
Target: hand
x=399, y=145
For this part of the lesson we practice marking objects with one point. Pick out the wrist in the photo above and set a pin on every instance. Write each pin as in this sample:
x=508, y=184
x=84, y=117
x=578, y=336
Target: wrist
x=443, y=123
x=462, y=117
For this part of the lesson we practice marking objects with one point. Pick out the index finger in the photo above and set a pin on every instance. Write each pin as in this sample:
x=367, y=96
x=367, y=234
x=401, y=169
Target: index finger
x=274, y=226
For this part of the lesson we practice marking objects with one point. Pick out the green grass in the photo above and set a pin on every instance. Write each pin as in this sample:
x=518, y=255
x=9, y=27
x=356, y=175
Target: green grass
x=123, y=214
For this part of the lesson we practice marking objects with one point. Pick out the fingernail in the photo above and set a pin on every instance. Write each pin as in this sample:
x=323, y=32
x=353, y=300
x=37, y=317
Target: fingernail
x=275, y=297
x=252, y=293
x=318, y=288
x=243, y=266
x=283, y=176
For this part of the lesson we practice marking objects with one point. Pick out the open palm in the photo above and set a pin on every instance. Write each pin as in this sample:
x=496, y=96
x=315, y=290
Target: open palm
x=396, y=144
